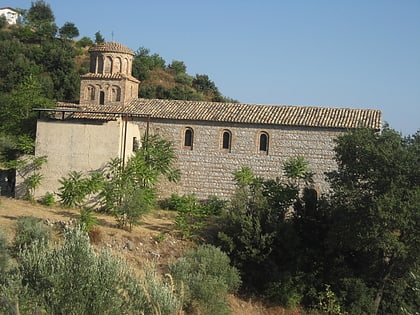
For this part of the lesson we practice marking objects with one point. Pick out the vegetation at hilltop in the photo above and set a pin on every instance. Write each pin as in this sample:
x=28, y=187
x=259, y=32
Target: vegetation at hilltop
x=41, y=63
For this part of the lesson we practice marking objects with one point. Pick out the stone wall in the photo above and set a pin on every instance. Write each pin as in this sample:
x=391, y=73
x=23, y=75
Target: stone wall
x=207, y=169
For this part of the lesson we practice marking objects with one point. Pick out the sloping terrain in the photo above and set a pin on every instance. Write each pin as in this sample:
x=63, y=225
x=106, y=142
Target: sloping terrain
x=155, y=240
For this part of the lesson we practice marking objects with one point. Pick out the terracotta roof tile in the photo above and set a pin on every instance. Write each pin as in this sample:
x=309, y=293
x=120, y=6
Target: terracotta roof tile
x=111, y=47
x=261, y=114
x=325, y=117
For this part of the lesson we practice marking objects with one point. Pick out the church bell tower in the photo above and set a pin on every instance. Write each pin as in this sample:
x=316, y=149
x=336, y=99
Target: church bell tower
x=109, y=81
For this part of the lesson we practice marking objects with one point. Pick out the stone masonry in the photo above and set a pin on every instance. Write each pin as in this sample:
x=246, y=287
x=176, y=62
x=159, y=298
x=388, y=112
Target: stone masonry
x=212, y=140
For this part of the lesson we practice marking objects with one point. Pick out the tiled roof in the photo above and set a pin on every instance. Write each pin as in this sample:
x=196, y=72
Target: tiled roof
x=258, y=114
x=117, y=75
x=325, y=117
x=111, y=47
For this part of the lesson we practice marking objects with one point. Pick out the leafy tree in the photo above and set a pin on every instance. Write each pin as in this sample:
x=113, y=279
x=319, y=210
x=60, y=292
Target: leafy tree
x=17, y=116
x=255, y=232
x=99, y=39
x=84, y=42
x=130, y=190
x=202, y=83
x=69, y=30
x=39, y=12
x=143, y=63
x=76, y=187
x=375, y=204
x=178, y=67
x=41, y=18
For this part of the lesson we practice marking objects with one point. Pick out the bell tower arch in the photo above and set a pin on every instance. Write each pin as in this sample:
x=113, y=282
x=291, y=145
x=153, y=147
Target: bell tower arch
x=109, y=81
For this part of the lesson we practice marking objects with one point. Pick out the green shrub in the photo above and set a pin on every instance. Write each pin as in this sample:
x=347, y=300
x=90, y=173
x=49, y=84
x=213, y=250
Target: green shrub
x=74, y=279
x=214, y=205
x=135, y=202
x=29, y=230
x=76, y=187
x=87, y=219
x=206, y=275
x=48, y=199
x=190, y=214
x=4, y=254
x=287, y=291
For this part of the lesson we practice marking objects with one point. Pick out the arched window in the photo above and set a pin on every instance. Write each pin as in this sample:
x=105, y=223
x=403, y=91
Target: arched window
x=100, y=67
x=188, y=138
x=116, y=93
x=226, y=140
x=117, y=65
x=263, y=142
x=125, y=66
x=108, y=65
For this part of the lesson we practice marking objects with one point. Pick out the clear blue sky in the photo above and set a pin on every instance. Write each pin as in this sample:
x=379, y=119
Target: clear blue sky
x=336, y=53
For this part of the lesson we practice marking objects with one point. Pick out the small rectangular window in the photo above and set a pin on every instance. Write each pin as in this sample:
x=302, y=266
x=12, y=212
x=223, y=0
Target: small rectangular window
x=136, y=144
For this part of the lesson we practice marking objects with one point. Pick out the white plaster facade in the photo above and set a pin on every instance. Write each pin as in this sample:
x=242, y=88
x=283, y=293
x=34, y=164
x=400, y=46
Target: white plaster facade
x=10, y=14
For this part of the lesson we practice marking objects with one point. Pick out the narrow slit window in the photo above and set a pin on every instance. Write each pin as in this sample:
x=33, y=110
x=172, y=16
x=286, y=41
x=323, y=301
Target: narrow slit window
x=136, y=144
x=226, y=140
x=101, y=98
x=188, y=138
x=263, y=142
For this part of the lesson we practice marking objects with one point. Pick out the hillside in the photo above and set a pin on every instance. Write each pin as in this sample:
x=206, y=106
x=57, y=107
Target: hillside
x=155, y=240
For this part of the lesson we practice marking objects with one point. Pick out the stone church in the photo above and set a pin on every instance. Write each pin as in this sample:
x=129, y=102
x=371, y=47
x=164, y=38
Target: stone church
x=211, y=140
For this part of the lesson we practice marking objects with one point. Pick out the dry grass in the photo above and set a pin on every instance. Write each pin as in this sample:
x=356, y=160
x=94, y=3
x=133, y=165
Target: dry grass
x=155, y=240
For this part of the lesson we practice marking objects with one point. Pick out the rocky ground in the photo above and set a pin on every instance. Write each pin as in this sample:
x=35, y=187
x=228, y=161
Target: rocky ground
x=154, y=240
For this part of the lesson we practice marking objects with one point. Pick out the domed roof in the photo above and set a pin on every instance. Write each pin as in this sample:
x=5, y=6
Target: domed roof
x=111, y=47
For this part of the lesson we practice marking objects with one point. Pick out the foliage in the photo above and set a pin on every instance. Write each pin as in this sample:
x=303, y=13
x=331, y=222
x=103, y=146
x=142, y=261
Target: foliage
x=76, y=187
x=214, y=205
x=143, y=63
x=39, y=12
x=190, y=214
x=172, y=81
x=3, y=21
x=328, y=303
x=297, y=169
x=84, y=42
x=4, y=255
x=206, y=276
x=30, y=230
x=48, y=199
x=130, y=190
x=375, y=217
x=17, y=114
x=28, y=168
x=178, y=66
x=99, y=39
x=136, y=202
x=68, y=30
x=255, y=224
x=87, y=219
x=74, y=279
